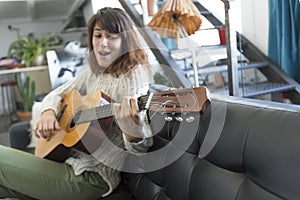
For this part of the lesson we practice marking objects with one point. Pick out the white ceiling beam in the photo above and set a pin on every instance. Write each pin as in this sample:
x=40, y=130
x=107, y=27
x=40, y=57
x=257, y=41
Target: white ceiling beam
x=31, y=9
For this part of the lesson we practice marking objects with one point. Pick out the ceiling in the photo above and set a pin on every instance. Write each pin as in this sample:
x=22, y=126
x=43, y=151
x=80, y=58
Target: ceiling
x=22, y=11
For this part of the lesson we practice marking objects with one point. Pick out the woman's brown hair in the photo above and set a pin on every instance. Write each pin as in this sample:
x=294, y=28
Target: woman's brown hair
x=116, y=21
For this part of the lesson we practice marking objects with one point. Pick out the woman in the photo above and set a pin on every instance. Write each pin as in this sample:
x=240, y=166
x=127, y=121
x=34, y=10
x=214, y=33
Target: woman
x=117, y=67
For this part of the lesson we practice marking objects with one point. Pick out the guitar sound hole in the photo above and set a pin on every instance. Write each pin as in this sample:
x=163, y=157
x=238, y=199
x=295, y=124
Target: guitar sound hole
x=72, y=123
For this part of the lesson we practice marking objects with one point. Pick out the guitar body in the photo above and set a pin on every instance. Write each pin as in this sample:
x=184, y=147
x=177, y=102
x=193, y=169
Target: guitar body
x=58, y=146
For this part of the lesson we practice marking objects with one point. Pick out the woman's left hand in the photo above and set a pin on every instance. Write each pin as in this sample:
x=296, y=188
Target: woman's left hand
x=130, y=119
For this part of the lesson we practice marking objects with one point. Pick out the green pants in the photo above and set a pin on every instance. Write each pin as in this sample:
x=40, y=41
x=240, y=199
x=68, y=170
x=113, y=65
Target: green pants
x=25, y=176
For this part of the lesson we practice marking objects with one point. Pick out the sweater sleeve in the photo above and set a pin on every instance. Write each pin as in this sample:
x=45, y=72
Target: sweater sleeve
x=143, y=145
x=53, y=99
x=141, y=79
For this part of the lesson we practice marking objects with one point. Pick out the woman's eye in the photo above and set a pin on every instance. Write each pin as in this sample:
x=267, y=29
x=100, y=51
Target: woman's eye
x=98, y=35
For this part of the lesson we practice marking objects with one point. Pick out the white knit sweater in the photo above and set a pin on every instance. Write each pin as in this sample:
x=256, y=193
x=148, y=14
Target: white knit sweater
x=129, y=84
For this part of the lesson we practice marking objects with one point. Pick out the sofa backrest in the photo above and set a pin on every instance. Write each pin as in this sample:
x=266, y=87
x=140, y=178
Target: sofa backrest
x=256, y=156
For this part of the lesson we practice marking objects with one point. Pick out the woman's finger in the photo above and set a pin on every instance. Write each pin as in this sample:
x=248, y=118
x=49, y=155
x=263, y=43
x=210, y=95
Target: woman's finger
x=133, y=105
x=35, y=131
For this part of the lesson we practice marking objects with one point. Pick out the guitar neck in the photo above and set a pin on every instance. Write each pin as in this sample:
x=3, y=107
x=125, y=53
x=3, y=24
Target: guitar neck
x=91, y=114
x=171, y=101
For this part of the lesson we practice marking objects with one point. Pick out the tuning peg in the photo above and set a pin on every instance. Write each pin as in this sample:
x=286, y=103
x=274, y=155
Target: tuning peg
x=190, y=119
x=168, y=118
x=178, y=118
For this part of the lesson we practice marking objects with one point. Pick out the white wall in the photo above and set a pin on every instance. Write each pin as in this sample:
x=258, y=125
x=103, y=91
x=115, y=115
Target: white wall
x=252, y=18
x=96, y=4
x=255, y=22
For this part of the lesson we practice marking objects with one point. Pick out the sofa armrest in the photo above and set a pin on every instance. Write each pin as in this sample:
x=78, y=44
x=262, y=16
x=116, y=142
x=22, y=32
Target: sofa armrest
x=19, y=136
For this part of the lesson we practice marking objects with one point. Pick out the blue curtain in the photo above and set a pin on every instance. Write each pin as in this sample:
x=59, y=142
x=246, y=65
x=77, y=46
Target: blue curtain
x=284, y=36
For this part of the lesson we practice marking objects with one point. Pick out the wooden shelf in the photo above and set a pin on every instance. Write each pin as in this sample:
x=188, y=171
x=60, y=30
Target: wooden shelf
x=24, y=69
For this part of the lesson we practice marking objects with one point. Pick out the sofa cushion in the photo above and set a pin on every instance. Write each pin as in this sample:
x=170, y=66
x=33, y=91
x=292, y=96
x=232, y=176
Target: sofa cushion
x=256, y=156
x=120, y=193
x=272, y=153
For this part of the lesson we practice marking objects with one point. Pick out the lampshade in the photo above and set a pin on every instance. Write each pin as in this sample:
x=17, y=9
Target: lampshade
x=176, y=18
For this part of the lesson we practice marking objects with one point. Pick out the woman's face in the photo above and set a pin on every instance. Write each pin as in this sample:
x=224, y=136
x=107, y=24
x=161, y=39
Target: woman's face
x=107, y=46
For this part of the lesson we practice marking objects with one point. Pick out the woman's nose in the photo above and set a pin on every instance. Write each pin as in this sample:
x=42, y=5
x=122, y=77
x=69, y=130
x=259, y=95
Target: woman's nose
x=104, y=42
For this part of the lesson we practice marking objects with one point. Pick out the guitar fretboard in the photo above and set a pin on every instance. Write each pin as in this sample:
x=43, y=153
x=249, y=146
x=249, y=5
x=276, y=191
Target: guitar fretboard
x=91, y=114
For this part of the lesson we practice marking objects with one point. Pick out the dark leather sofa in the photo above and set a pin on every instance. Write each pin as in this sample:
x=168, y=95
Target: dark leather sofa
x=256, y=155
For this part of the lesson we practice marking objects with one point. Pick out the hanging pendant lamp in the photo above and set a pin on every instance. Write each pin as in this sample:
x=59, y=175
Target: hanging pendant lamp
x=176, y=18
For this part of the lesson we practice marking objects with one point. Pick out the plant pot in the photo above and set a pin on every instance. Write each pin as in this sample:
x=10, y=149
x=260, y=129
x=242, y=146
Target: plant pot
x=39, y=60
x=24, y=116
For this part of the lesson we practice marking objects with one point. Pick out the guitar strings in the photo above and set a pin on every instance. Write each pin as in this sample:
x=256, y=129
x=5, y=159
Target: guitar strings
x=89, y=114
x=92, y=114
x=159, y=108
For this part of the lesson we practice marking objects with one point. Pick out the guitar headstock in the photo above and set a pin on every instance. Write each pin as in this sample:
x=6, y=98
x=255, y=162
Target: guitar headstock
x=177, y=101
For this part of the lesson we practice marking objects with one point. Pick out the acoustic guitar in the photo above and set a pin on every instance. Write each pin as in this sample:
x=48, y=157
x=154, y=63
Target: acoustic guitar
x=77, y=112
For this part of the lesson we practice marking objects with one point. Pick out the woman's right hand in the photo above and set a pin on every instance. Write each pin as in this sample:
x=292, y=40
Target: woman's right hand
x=46, y=125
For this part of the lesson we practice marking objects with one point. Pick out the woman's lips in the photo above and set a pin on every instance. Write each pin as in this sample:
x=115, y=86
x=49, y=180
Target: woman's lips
x=104, y=53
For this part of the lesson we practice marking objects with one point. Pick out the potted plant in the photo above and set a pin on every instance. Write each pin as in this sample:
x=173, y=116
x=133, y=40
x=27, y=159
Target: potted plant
x=29, y=49
x=26, y=91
